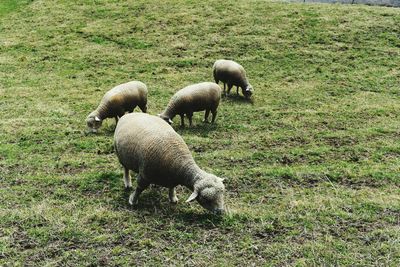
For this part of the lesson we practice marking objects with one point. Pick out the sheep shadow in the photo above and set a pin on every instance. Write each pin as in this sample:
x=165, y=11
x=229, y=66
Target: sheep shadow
x=153, y=202
x=233, y=97
x=109, y=129
x=199, y=128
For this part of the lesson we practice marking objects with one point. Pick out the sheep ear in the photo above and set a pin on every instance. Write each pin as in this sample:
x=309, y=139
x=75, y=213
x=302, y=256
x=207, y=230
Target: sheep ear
x=247, y=89
x=192, y=197
x=97, y=118
x=170, y=121
x=222, y=179
x=159, y=115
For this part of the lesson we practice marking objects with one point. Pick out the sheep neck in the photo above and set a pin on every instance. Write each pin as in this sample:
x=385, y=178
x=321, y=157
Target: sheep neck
x=102, y=111
x=244, y=84
x=170, y=111
x=191, y=175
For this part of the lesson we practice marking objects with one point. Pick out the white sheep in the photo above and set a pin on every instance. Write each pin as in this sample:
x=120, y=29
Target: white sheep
x=149, y=146
x=120, y=99
x=192, y=98
x=232, y=73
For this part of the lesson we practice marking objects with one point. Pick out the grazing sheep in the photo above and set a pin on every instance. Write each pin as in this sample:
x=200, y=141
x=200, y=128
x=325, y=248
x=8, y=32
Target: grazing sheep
x=232, y=73
x=122, y=98
x=149, y=146
x=195, y=97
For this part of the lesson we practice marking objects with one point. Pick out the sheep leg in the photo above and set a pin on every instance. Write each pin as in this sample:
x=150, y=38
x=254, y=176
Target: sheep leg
x=172, y=195
x=237, y=89
x=224, y=89
x=214, y=115
x=190, y=116
x=143, y=108
x=206, y=115
x=141, y=185
x=127, y=179
x=229, y=88
x=116, y=119
x=182, y=120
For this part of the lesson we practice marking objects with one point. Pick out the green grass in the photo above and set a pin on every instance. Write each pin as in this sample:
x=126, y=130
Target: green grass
x=312, y=166
x=8, y=6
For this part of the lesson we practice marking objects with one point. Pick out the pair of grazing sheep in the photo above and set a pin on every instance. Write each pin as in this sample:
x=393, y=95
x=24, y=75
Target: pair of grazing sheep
x=149, y=146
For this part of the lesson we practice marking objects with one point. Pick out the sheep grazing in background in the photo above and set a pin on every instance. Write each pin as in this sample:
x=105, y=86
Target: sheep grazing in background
x=149, y=146
x=231, y=73
x=122, y=98
x=196, y=97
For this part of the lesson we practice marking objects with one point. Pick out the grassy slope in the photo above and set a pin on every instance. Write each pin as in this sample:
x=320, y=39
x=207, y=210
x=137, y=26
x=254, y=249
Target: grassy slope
x=312, y=166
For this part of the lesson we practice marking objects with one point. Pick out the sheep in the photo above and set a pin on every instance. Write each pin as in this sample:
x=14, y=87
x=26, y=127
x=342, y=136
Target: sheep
x=122, y=98
x=232, y=73
x=149, y=146
x=195, y=97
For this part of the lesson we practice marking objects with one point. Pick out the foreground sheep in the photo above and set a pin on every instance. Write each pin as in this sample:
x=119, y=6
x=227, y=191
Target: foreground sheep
x=196, y=97
x=149, y=146
x=232, y=73
x=122, y=98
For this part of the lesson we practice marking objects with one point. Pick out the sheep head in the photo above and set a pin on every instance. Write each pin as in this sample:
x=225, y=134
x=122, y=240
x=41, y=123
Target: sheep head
x=93, y=122
x=166, y=118
x=209, y=192
x=248, y=91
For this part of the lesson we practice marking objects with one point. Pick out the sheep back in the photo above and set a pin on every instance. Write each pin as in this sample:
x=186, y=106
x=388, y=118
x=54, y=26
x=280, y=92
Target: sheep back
x=230, y=72
x=148, y=145
x=196, y=97
x=122, y=98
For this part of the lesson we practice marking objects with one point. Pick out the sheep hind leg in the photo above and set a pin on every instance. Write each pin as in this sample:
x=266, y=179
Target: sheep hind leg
x=237, y=89
x=206, y=116
x=182, y=120
x=214, y=115
x=172, y=195
x=127, y=179
x=141, y=185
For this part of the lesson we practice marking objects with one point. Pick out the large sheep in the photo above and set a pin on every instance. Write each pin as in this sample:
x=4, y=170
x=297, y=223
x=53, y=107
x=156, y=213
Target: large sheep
x=232, y=73
x=149, y=146
x=195, y=97
x=122, y=98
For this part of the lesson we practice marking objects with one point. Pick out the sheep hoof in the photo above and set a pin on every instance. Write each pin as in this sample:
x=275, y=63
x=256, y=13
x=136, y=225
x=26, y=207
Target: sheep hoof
x=174, y=200
x=132, y=200
x=128, y=188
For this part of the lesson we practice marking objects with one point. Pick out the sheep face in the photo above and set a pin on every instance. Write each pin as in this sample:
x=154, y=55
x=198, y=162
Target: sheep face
x=209, y=192
x=167, y=119
x=93, y=123
x=248, y=91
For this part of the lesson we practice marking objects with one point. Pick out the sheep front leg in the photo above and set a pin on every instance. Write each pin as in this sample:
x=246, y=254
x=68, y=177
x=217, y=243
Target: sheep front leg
x=127, y=179
x=172, y=195
x=190, y=116
x=134, y=197
x=143, y=108
x=229, y=88
x=237, y=89
x=224, y=89
x=206, y=116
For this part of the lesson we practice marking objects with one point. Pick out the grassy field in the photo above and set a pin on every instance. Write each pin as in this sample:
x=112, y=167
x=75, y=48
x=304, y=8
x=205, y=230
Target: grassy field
x=312, y=166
